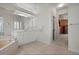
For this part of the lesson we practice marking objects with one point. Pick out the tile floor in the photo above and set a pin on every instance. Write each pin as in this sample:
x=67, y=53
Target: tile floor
x=57, y=47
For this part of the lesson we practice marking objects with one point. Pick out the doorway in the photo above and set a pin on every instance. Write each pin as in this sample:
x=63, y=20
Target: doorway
x=61, y=27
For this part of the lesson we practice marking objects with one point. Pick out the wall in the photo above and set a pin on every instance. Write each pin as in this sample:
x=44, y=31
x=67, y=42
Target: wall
x=27, y=23
x=73, y=36
x=43, y=22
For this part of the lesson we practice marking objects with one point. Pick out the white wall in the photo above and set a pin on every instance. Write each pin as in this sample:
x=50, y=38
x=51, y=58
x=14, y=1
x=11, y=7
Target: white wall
x=73, y=30
x=44, y=23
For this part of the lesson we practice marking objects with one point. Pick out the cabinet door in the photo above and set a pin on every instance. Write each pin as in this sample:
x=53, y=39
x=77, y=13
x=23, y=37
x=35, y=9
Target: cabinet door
x=20, y=38
x=29, y=36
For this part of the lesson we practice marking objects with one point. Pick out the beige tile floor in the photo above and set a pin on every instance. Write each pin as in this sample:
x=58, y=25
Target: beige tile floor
x=57, y=47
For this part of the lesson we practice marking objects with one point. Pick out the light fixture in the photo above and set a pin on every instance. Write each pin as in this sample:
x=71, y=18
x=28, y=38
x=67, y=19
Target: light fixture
x=61, y=5
x=20, y=13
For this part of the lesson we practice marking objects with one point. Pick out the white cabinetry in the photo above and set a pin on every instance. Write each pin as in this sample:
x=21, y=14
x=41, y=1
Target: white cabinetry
x=26, y=37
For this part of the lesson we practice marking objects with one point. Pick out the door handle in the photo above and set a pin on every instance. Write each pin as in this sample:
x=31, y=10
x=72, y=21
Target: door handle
x=74, y=24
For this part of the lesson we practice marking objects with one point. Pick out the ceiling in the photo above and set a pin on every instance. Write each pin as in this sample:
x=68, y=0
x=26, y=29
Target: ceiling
x=34, y=6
